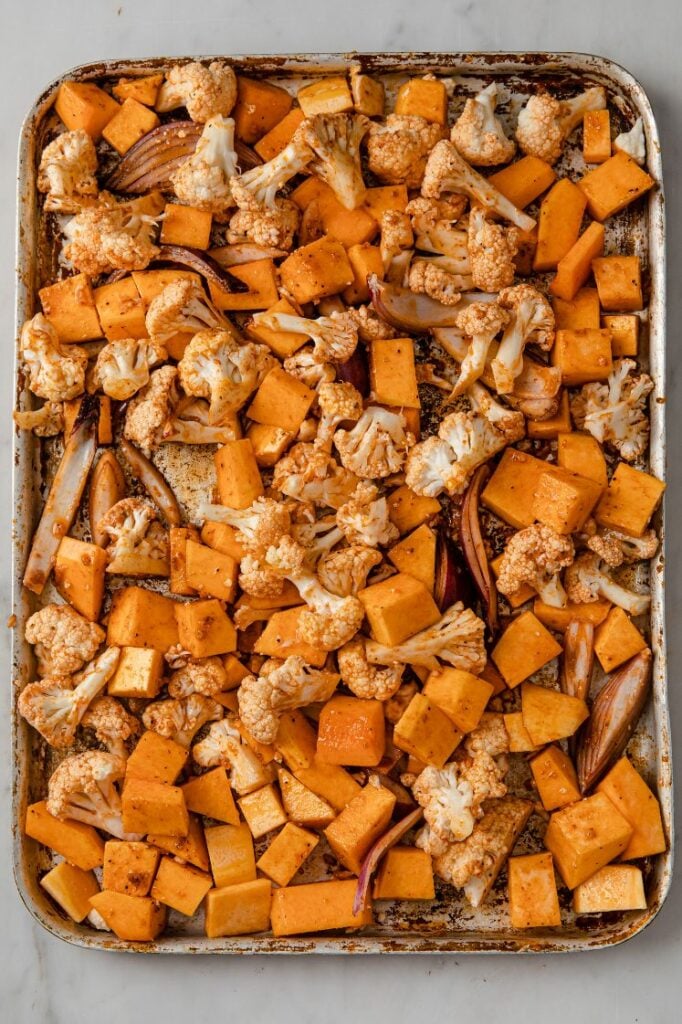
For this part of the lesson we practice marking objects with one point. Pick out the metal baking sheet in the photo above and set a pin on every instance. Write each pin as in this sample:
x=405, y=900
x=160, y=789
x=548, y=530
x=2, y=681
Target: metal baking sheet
x=447, y=925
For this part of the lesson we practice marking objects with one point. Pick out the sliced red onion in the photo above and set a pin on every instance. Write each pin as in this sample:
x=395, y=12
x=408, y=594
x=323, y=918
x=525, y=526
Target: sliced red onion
x=578, y=659
x=153, y=481
x=355, y=371
x=452, y=580
x=244, y=252
x=473, y=546
x=198, y=261
x=375, y=855
x=158, y=154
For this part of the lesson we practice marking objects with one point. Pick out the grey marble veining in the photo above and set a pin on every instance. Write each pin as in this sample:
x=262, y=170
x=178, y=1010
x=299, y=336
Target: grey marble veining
x=45, y=982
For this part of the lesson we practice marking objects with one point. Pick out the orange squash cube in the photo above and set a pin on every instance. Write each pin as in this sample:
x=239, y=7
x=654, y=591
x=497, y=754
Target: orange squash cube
x=559, y=618
x=365, y=259
x=580, y=311
x=144, y=89
x=296, y=740
x=630, y=795
x=619, y=282
x=575, y=267
x=358, y=825
x=150, y=283
x=596, y=136
x=130, y=122
x=79, y=844
x=178, y=537
x=351, y=731
x=204, y=628
x=259, y=107
x=129, y=867
x=269, y=443
x=239, y=909
x=156, y=758
x=71, y=888
x=131, y=918
x=461, y=695
x=70, y=307
x=510, y=491
x=564, y=501
x=617, y=640
x=260, y=278
x=84, y=105
x=397, y=608
x=221, y=537
x=614, y=185
x=180, y=886
x=520, y=596
x=533, y=897
x=279, y=639
x=239, y=480
x=301, y=804
x=317, y=907
x=150, y=806
x=559, y=220
x=230, y=850
x=316, y=270
x=383, y=198
x=416, y=556
x=325, y=96
x=423, y=97
x=281, y=401
x=120, y=310
x=624, y=330
x=190, y=848
x=279, y=137
x=519, y=739
x=426, y=732
x=210, y=794
x=79, y=576
x=393, y=375
x=368, y=93
x=585, y=836
x=614, y=887
x=210, y=573
x=553, y=425
x=142, y=618
x=405, y=873
x=524, y=647
x=524, y=180
x=282, y=343
x=350, y=227
x=630, y=500
x=550, y=715
x=185, y=225
x=263, y=811
x=582, y=356
x=555, y=778
x=138, y=673
x=286, y=853
x=406, y=510
x=582, y=454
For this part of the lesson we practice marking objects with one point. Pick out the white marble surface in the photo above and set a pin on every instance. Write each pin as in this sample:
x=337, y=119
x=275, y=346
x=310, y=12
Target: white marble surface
x=45, y=982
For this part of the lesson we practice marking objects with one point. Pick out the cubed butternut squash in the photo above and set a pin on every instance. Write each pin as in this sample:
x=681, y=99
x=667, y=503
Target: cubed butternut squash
x=423, y=97
x=204, y=628
x=406, y=510
x=269, y=443
x=185, y=225
x=210, y=794
x=619, y=282
x=426, y=732
x=150, y=283
x=351, y=731
x=286, y=853
x=84, y=105
x=79, y=576
x=405, y=873
x=517, y=734
x=120, y=310
x=221, y=537
x=582, y=355
x=191, y=848
x=614, y=887
x=617, y=640
x=393, y=376
x=613, y=185
x=533, y=897
x=129, y=867
x=142, y=618
x=329, y=95
x=555, y=778
x=180, y=886
x=317, y=907
x=281, y=401
x=282, y=343
x=70, y=307
x=131, y=918
x=524, y=180
x=397, y=608
x=416, y=555
x=230, y=850
x=316, y=270
x=596, y=136
x=575, y=267
x=365, y=259
x=559, y=618
x=130, y=122
x=630, y=795
x=177, y=544
x=580, y=311
x=630, y=500
x=260, y=278
x=280, y=639
x=510, y=491
x=239, y=480
x=150, y=806
x=77, y=843
x=260, y=106
x=263, y=811
x=523, y=648
x=144, y=89
x=156, y=759
x=624, y=329
x=550, y=715
x=71, y=888
x=329, y=781
x=239, y=909
x=582, y=454
x=210, y=573
x=559, y=220
x=554, y=425
x=585, y=836
x=461, y=695
x=564, y=501
x=365, y=818
x=138, y=673
x=350, y=227
x=279, y=136
x=301, y=804
x=296, y=740
x=382, y=198
x=368, y=94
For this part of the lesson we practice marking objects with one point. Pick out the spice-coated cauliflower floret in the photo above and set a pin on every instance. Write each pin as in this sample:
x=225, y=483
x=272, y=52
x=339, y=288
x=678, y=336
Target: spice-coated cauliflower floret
x=63, y=639
x=362, y=678
x=447, y=802
x=279, y=687
x=614, y=412
x=112, y=724
x=545, y=122
x=309, y=473
x=47, y=421
x=134, y=531
x=489, y=736
x=317, y=537
x=204, y=91
x=223, y=745
x=457, y=638
x=337, y=403
x=369, y=325
x=434, y=224
x=258, y=187
x=425, y=213
x=203, y=180
x=111, y=236
x=305, y=366
x=216, y=366
x=67, y=172
x=429, y=468
x=398, y=148
x=481, y=322
x=259, y=526
x=151, y=408
x=491, y=249
x=56, y=705
x=345, y=571
x=257, y=580
x=335, y=141
x=84, y=788
x=199, y=675
x=123, y=366
x=478, y=133
x=427, y=278
x=269, y=226
x=364, y=518
x=55, y=371
x=508, y=421
x=377, y=444
x=334, y=337
x=396, y=244
x=633, y=142
x=189, y=424
x=181, y=306
x=586, y=580
x=617, y=548
x=179, y=719
x=532, y=320
x=535, y=556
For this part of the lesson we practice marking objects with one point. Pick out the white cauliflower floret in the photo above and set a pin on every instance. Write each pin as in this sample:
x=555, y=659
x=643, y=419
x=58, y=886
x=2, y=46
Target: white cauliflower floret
x=457, y=639
x=123, y=366
x=427, y=278
x=308, y=473
x=63, y=639
x=112, y=236
x=305, y=366
x=377, y=444
x=279, y=687
x=204, y=91
x=480, y=322
x=112, y=724
x=447, y=171
x=366, y=680
x=67, y=172
x=614, y=412
x=396, y=244
x=364, y=519
x=273, y=227
x=215, y=366
x=334, y=337
x=633, y=142
x=257, y=580
x=532, y=320
x=47, y=421
x=510, y=422
x=399, y=147
x=55, y=371
x=535, y=556
x=490, y=736
x=134, y=531
x=478, y=133
x=337, y=403
x=335, y=142
x=545, y=123
x=203, y=180
x=473, y=440
x=56, y=705
x=259, y=186
x=491, y=249
x=345, y=571
x=586, y=580
x=181, y=306
x=429, y=470
x=223, y=745
x=617, y=548
x=206, y=676
x=179, y=719
x=369, y=325
x=317, y=537
x=84, y=788
x=151, y=409
x=258, y=527
x=433, y=222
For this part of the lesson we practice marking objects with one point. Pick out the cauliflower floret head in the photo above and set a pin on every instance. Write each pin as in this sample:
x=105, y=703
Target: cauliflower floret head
x=259, y=526
x=427, y=278
x=204, y=91
x=362, y=678
x=545, y=122
x=206, y=676
x=134, y=531
x=535, y=556
x=428, y=470
x=55, y=371
x=491, y=248
x=181, y=306
x=377, y=444
x=480, y=322
x=614, y=412
x=335, y=141
x=586, y=580
x=309, y=473
x=334, y=337
x=345, y=571
x=84, y=788
x=457, y=638
x=180, y=719
x=364, y=518
x=203, y=180
x=258, y=187
x=112, y=236
x=396, y=238
x=47, y=421
x=63, y=639
x=398, y=148
x=112, y=724
x=532, y=320
x=223, y=745
x=479, y=135
x=337, y=403
x=67, y=172
x=280, y=686
x=123, y=366
x=633, y=142
x=447, y=801
x=473, y=440
x=268, y=226
x=369, y=325
x=215, y=366
x=617, y=548
x=257, y=580
x=151, y=408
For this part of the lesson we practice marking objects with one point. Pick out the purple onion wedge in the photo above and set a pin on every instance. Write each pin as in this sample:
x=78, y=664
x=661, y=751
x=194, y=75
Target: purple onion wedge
x=452, y=580
x=475, y=554
x=578, y=659
x=355, y=371
x=198, y=261
x=373, y=858
x=158, y=154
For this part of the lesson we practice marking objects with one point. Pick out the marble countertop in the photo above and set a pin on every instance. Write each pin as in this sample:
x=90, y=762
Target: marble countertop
x=43, y=981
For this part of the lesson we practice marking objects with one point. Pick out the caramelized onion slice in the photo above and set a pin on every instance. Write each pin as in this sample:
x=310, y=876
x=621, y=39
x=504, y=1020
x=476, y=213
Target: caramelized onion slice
x=151, y=161
x=373, y=858
x=198, y=261
x=153, y=482
x=452, y=581
x=408, y=311
x=578, y=659
x=473, y=546
x=107, y=486
x=355, y=370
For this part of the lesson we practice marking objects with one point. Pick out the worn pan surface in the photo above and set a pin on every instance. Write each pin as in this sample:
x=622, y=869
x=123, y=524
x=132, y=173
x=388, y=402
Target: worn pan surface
x=447, y=925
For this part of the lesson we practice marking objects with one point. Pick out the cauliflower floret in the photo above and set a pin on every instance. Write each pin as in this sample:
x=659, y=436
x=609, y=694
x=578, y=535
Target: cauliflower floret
x=305, y=366
x=204, y=91
x=491, y=250
x=179, y=719
x=181, y=306
x=337, y=403
x=134, y=531
x=396, y=244
x=206, y=676
x=329, y=621
x=532, y=320
x=364, y=519
x=545, y=123
x=258, y=527
x=457, y=639
x=447, y=800
x=614, y=412
x=63, y=639
x=47, y=421
x=280, y=687
x=84, y=788
x=215, y=366
x=268, y=226
x=377, y=444
x=447, y=171
x=429, y=470
x=334, y=337
x=433, y=223
x=223, y=745
x=189, y=424
x=203, y=180
x=473, y=440
x=67, y=172
x=535, y=556
x=369, y=325
x=111, y=236
x=617, y=548
x=365, y=680
x=123, y=366
x=56, y=705
x=55, y=371
x=426, y=214
x=398, y=148
x=509, y=422
x=490, y=736
x=479, y=135
x=308, y=473
x=427, y=278
x=112, y=724
x=481, y=322
x=317, y=537
x=258, y=187
x=586, y=580
x=345, y=571
x=151, y=409
x=633, y=142
x=335, y=142
x=257, y=580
